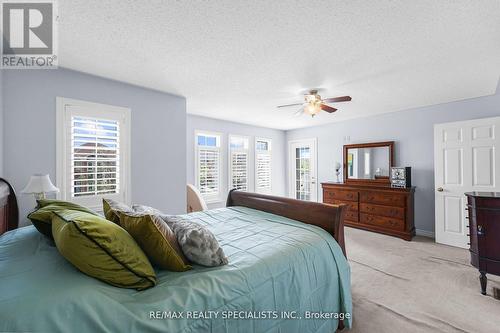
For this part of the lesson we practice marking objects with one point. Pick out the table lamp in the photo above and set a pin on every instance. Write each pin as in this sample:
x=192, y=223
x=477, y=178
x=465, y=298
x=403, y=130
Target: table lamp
x=39, y=185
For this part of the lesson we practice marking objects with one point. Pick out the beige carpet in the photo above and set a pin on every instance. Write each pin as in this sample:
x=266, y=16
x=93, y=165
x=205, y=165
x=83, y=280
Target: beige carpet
x=417, y=286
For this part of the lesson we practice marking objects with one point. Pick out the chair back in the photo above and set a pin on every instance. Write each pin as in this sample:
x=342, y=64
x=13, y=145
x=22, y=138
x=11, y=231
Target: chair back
x=195, y=202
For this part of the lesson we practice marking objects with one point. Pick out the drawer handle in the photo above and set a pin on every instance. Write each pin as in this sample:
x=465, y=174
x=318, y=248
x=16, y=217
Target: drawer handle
x=480, y=230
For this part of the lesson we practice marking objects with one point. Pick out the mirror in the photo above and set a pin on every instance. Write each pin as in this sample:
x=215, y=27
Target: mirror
x=369, y=162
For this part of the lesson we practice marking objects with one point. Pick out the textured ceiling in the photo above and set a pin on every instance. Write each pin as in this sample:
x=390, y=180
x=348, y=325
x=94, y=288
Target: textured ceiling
x=238, y=60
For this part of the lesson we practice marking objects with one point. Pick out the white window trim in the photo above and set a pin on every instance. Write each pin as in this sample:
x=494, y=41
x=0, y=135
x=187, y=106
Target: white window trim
x=209, y=198
x=96, y=110
x=230, y=158
x=270, y=152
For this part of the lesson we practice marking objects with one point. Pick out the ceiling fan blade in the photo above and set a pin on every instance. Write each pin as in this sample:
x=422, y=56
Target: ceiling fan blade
x=337, y=99
x=327, y=108
x=286, y=105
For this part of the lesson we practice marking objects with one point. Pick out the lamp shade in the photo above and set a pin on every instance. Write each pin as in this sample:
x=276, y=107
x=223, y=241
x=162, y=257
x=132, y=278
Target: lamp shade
x=40, y=184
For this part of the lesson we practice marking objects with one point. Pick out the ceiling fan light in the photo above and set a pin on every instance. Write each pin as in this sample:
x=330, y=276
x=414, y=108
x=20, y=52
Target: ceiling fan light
x=313, y=108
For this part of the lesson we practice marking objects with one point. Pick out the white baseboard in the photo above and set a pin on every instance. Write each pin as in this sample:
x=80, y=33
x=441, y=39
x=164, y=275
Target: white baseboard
x=424, y=233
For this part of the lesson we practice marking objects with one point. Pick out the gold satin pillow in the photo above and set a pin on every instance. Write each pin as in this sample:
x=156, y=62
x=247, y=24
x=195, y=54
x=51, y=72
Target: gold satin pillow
x=156, y=239
x=112, y=209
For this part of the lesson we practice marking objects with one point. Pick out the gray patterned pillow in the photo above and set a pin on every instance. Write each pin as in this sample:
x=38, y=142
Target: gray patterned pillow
x=198, y=243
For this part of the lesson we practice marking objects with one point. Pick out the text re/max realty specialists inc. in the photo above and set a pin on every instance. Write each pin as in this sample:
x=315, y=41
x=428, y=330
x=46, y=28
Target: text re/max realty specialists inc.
x=237, y=314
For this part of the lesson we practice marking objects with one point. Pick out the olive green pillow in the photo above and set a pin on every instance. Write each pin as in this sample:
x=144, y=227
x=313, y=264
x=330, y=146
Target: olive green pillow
x=102, y=249
x=112, y=210
x=41, y=217
x=157, y=240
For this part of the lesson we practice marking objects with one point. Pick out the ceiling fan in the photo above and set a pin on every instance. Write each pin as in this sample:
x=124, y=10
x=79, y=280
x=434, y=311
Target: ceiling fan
x=313, y=103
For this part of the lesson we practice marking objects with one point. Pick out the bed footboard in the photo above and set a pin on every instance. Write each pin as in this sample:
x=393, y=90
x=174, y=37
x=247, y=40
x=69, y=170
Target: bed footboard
x=328, y=217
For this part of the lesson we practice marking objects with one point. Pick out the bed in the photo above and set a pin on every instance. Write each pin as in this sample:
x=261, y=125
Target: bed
x=286, y=273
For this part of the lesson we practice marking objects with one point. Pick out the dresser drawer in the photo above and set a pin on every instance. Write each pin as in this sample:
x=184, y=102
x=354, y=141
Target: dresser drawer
x=351, y=215
x=351, y=205
x=340, y=195
x=382, y=221
x=391, y=199
x=388, y=211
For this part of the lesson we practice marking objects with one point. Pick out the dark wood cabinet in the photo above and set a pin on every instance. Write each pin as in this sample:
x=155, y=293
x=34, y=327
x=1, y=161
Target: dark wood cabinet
x=484, y=233
x=378, y=208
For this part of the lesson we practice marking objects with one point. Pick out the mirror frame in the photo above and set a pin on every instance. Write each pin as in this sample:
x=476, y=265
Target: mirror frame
x=384, y=181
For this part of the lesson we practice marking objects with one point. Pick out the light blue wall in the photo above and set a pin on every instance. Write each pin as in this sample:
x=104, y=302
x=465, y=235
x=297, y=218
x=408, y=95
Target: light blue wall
x=225, y=127
x=413, y=132
x=158, y=147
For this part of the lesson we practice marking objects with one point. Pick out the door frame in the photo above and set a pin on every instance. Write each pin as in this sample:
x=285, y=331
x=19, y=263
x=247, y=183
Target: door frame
x=291, y=157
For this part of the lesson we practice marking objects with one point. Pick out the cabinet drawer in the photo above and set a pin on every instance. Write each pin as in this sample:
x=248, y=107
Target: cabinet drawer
x=382, y=221
x=388, y=211
x=351, y=205
x=383, y=198
x=340, y=195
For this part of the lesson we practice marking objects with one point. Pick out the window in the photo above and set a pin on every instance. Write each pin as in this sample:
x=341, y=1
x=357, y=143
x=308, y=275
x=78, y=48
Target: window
x=92, y=152
x=208, y=165
x=263, y=165
x=238, y=163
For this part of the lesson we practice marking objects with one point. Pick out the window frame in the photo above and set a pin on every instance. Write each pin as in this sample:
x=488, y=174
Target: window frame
x=230, y=160
x=270, y=153
x=63, y=135
x=210, y=198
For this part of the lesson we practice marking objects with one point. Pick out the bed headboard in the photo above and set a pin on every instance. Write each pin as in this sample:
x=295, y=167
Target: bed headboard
x=9, y=212
x=328, y=217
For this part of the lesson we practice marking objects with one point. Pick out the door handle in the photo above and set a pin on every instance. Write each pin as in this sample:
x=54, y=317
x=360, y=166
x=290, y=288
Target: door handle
x=440, y=189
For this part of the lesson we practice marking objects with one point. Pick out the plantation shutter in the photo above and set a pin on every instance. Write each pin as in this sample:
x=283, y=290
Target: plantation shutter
x=263, y=167
x=208, y=170
x=92, y=152
x=95, y=157
x=239, y=171
x=263, y=172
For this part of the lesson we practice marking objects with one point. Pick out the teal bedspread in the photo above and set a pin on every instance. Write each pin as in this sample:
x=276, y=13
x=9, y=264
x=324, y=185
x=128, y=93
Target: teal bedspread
x=276, y=266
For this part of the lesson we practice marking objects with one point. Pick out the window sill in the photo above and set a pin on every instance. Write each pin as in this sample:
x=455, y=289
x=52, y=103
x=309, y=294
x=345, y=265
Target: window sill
x=213, y=201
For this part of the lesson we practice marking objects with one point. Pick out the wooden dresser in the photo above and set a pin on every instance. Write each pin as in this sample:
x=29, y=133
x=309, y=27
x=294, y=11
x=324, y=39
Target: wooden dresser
x=484, y=233
x=378, y=208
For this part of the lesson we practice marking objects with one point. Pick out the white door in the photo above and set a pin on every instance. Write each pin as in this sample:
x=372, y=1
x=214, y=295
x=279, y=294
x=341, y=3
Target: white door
x=302, y=167
x=465, y=160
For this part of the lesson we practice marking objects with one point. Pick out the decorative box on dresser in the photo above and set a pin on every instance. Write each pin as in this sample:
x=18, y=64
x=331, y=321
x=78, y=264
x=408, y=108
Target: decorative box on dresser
x=378, y=208
x=484, y=233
